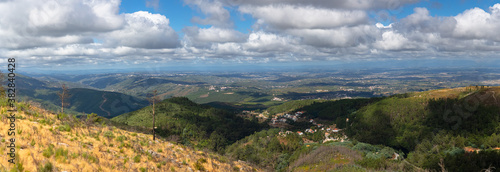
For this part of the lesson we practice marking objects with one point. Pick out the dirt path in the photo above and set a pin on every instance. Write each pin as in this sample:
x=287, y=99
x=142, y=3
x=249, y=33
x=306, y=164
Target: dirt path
x=100, y=106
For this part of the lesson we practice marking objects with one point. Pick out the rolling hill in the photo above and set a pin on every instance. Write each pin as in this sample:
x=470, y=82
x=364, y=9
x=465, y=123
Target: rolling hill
x=456, y=129
x=82, y=100
x=192, y=124
x=432, y=126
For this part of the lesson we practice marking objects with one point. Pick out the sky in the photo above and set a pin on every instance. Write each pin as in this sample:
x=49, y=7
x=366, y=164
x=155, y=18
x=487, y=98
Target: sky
x=131, y=34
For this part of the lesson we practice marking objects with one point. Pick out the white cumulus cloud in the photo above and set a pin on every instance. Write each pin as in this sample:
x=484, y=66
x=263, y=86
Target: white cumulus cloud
x=144, y=30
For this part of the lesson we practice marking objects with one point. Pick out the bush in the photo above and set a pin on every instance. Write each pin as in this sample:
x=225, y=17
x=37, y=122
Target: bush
x=62, y=115
x=48, y=167
x=202, y=160
x=93, y=118
x=64, y=127
x=121, y=138
x=47, y=153
x=18, y=167
x=137, y=159
x=373, y=163
x=198, y=166
x=365, y=147
x=109, y=134
x=90, y=158
x=61, y=154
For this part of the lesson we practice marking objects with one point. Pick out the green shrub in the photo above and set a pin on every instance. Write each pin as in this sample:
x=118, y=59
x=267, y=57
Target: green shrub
x=198, y=166
x=109, y=134
x=90, y=158
x=47, y=153
x=373, y=163
x=61, y=154
x=62, y=115
x=202, y=160
x=64, y=127
x=121, y=138
x=143, y=169
x=74, y=155
x=18, y=167
x=48, y=167
x=137, y=159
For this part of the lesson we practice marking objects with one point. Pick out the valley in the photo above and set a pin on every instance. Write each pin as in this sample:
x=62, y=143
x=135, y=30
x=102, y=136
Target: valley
x=366, y=120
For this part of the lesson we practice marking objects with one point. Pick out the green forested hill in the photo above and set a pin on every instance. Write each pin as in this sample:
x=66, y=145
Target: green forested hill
x=433, y=125
x=104, y=103
x=290, y=106
x=202, y=126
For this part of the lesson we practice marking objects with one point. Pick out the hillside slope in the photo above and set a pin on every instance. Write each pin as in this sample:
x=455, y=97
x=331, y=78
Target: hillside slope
x=400, y=119
x=44, y=143
x=82, y=100
x=191, y=123
x=436, y=125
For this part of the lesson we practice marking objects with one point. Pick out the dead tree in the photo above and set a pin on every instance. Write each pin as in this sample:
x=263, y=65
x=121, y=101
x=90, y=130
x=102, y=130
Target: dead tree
x=153, y=99
x=63, y=96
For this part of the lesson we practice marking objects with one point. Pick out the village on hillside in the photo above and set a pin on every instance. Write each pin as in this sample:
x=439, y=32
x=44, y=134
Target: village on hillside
x=284, y=120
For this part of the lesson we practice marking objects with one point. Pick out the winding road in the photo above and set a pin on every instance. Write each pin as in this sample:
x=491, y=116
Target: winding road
x=100, y=106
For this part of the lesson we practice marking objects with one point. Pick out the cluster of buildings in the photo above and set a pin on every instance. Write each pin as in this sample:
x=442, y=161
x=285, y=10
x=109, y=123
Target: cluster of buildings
x=331, y=132
x=285, y=117
x=277, y=99
x=214, y=88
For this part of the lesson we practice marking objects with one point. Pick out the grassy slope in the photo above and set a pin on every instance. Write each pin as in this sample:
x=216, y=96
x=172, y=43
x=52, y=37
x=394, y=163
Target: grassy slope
x=69, y=145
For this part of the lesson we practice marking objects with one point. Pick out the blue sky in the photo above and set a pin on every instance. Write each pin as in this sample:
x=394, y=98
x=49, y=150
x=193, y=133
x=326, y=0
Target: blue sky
x=74, y=34
x=180, y=13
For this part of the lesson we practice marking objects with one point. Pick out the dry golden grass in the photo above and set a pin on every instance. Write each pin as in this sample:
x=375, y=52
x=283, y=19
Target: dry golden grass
x=100, y=148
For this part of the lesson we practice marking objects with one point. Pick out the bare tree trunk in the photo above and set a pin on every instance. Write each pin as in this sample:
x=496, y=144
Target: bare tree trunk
x=154, y=135
x=154, y=99
x=63, y=95
x=62, y=106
